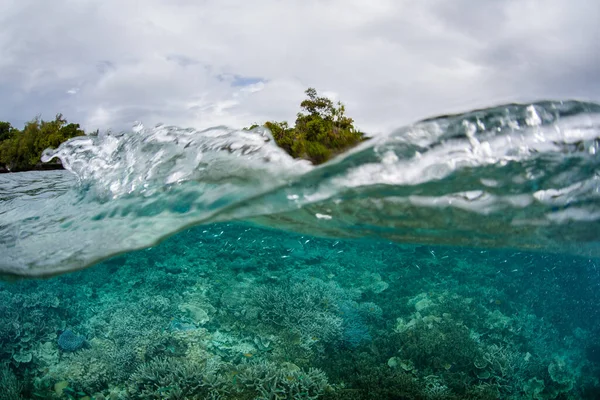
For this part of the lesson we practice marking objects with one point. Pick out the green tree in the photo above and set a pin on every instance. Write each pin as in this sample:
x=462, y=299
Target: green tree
x=22, y=149
x=6, y=131
x=322, y=130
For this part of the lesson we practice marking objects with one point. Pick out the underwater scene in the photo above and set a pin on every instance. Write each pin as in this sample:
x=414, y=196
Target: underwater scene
x=456, y=258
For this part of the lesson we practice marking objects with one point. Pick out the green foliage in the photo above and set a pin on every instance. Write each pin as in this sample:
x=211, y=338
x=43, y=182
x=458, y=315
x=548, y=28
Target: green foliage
x=322, y=130
x=6, y=131
x=21, y=150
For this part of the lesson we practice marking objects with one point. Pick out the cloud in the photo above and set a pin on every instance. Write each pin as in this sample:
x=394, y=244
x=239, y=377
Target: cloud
x=211, y=62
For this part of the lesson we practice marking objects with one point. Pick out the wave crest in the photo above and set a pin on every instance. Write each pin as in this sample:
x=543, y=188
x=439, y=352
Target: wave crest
x=522, y=176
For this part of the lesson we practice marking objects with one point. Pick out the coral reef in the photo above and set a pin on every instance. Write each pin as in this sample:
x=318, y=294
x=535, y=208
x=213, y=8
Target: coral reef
x=232, y=311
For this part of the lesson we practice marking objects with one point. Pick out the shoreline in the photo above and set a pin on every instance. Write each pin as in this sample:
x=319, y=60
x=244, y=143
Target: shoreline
x=38, y=167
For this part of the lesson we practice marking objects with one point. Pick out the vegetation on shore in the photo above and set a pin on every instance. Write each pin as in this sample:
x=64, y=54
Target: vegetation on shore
x=322, y=130
x=21, y=150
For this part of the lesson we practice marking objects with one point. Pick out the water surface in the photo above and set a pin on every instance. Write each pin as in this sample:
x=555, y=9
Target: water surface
x=456, y=258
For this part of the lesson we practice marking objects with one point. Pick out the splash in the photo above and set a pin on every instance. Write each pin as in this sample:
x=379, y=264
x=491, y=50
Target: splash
x=513, y=176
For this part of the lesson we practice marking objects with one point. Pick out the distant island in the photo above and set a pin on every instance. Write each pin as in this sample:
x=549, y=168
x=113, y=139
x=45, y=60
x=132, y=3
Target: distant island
x=322, y=131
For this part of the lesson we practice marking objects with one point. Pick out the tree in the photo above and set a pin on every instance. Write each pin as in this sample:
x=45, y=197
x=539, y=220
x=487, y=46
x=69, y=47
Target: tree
x=6, y=131
x=321, y=131
x=22, y=150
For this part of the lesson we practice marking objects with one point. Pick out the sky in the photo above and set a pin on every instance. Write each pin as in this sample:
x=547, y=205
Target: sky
x=199, y=63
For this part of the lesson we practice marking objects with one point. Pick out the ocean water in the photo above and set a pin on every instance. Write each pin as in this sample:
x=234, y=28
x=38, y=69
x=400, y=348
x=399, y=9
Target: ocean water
x=455, y=258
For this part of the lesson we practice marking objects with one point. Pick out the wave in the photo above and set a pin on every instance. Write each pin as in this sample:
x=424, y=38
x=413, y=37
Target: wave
x=522, y=176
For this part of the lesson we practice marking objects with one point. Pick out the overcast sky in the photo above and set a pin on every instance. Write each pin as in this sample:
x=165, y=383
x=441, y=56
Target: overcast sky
x=200, y=63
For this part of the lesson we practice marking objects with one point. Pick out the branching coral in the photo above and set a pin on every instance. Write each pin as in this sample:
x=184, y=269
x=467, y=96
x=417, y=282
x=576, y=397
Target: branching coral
x=172, y=378
x=9, y=385
x=94, y=369
x=285, y=381
x=310, y=307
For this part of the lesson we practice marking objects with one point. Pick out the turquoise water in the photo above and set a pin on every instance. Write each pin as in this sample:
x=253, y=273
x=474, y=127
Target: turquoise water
x=456, y=258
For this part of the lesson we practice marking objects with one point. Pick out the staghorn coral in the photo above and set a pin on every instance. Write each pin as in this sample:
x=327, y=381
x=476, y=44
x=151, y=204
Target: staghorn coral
x=174, y=378
x=309, y=306
x=284, y=381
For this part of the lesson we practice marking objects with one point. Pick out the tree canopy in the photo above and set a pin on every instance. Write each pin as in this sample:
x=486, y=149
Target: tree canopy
x=21, y=150
x=322, y=130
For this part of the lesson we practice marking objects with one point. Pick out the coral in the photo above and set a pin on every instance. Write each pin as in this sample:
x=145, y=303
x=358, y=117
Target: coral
x=156, y=304
x=562, y=375
x=371, y=281
x=437, y=345
x=505, y=362
x=354, y=328
x=285, y=381
x=10, y=387
x=364, y=379
x=46, y=354
x=69, y=341
x=173, y=378
x=26, y=320
x=309, y=306
x=533, y=388
x=197, y=314
x=93, y=369
x=370, y=311
x=435, y=388
x=201, y=318
x=86, y=371
x=559, y=372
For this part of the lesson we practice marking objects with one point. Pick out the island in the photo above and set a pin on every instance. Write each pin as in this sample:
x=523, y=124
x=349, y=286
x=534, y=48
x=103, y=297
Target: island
x=321, y=131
